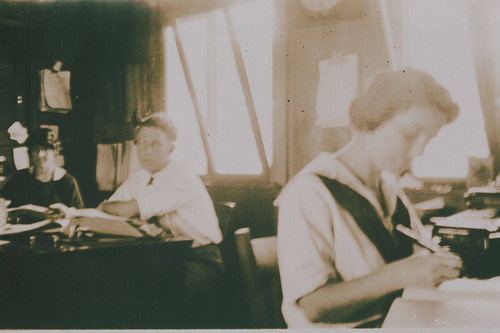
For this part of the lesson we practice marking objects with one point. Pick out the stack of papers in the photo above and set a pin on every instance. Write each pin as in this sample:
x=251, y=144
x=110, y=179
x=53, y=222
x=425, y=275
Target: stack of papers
x=94, y=219
x=12, y=229
x=484, y=219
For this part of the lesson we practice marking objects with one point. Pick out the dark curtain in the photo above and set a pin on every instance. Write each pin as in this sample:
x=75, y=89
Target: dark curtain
x=124, y=67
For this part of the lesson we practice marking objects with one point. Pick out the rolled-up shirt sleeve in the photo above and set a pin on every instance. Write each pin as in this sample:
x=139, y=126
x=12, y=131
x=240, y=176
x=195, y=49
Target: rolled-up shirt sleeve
x=305, y=239
x=122, y=193
x=158, y=199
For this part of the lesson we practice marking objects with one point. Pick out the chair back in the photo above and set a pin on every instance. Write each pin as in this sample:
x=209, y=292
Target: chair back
x=259, y=271
x=224, y=211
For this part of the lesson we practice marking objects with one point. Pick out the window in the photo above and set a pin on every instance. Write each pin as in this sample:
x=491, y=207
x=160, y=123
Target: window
x=219, y=89
x=439, y=43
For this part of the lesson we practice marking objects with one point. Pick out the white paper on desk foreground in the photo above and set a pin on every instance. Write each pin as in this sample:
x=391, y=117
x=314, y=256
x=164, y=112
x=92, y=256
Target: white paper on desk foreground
x=464, y=284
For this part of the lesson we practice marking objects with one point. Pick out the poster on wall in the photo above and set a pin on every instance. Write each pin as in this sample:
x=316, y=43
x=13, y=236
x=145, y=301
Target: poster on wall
x=337, y=87
x=55, y=90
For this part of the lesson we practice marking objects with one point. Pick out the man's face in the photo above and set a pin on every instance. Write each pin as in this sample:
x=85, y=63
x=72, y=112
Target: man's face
x=153, y=148
x=43, y=160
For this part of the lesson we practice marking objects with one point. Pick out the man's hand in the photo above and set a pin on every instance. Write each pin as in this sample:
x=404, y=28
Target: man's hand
x=59, y=211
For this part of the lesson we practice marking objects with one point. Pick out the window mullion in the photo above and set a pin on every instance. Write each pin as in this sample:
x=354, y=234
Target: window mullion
x=245, y=85
x=211, y=83
x=194, y=99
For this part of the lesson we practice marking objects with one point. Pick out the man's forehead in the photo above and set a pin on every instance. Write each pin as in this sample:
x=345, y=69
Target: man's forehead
x=41, y=152
x=40, y=149
x=151, y=133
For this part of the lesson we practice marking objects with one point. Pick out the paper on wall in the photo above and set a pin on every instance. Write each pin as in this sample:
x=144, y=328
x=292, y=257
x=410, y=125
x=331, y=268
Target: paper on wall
x=21, y=158
x=55, y=91
x=18, y=132
x=337, y=87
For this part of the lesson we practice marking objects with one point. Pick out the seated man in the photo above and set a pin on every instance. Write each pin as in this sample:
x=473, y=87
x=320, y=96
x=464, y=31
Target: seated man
x=341, y=260
x=169, y=197
x=43, y=183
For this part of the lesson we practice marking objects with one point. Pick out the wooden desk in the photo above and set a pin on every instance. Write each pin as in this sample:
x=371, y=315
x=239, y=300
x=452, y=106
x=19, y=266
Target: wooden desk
x=98, y=283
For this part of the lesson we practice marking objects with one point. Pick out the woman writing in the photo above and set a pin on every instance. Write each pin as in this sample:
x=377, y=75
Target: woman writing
x=341, y=260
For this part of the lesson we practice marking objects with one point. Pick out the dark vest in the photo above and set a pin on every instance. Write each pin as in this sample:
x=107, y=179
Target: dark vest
x=392, y=246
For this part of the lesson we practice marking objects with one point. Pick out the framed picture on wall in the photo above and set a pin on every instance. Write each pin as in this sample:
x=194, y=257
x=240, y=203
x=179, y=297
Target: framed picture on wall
x=54, y=132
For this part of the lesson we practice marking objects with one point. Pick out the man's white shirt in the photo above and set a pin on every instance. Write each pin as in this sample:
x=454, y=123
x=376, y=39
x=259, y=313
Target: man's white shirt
x=178, y=198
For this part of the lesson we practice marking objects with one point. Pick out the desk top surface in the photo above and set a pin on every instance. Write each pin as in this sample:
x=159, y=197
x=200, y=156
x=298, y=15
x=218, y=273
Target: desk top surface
x=44, y=244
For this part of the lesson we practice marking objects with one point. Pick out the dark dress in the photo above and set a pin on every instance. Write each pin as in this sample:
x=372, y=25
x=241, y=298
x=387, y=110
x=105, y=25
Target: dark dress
x=23, y=188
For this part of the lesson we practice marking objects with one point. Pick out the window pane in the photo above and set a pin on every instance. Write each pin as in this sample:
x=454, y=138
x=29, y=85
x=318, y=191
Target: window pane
x=189, y=149
x=236, y=150
x=439, y=44
x=254, y=27
x=206, y=43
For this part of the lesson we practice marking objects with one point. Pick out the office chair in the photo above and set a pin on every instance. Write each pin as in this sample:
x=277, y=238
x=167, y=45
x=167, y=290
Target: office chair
x=231, y=295
x=259, y=267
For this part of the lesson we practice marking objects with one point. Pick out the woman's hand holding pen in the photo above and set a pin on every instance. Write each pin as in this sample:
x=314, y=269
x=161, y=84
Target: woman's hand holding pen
x=426, y=269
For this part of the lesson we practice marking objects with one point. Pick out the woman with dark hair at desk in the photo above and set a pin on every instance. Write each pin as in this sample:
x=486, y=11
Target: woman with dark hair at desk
x=43, y=183
x=341, y=260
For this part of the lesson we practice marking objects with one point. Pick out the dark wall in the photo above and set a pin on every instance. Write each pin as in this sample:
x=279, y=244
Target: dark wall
x=97, y=41
x=14, y=82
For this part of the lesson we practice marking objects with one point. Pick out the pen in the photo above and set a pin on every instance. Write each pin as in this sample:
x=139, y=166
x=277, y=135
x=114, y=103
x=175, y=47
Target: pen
x=413, y=235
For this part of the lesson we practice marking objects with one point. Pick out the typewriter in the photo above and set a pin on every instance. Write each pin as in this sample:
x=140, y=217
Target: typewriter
x=474, y=234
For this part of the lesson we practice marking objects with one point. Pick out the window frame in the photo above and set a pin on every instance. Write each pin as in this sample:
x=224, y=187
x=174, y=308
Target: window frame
x=272, y=171
x=405, y=62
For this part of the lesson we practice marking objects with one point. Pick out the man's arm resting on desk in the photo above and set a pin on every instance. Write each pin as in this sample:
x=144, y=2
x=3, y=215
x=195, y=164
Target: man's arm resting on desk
x=128, y=208
x=339, y=302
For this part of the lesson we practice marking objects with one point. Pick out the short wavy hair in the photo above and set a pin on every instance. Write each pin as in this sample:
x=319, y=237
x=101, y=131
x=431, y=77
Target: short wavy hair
x=162, y=122
x=393, y=92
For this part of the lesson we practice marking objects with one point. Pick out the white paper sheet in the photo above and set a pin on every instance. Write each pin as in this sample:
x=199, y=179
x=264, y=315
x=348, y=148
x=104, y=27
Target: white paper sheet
x=21, y=158
x=55, y=90
x=10, y=229
x=337, y=87
x=18, y=132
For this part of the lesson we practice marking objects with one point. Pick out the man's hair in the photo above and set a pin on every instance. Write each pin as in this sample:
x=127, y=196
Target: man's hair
x=162, y=122
x=394, y=92
x=44, y=138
